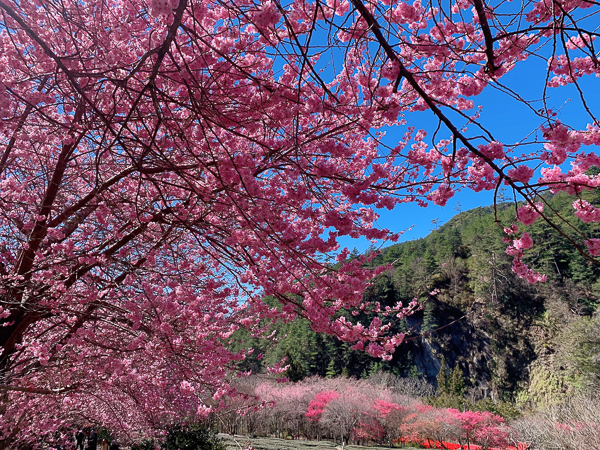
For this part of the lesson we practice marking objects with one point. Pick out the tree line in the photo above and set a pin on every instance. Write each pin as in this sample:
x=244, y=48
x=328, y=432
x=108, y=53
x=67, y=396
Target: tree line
x=387, y=410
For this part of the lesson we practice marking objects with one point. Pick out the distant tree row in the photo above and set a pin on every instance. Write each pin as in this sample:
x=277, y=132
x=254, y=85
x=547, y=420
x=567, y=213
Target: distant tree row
x=385, y=409
x=382, y=410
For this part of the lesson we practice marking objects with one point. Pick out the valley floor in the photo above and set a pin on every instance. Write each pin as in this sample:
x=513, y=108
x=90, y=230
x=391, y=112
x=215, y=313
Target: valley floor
x=266, y=443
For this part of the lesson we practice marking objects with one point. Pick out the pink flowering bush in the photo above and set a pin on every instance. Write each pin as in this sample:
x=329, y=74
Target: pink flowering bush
x=317, y=405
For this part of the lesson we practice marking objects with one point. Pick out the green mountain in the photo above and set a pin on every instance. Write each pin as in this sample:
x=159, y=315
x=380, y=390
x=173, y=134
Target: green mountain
x=495, y=335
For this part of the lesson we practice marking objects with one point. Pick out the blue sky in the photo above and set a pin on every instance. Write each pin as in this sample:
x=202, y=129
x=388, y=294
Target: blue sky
x=509, y=121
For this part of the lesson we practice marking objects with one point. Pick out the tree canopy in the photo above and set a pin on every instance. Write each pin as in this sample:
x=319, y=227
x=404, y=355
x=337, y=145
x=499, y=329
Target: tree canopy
x=167, y=164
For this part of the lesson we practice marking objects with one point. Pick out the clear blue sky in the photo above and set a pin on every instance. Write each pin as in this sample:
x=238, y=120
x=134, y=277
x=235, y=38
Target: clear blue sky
x=508, y=121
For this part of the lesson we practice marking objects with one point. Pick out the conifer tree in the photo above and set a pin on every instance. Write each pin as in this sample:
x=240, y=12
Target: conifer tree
x=296, y=371
x=456, y=383
x=331, y=371
x=442, y=379
x=429, y=319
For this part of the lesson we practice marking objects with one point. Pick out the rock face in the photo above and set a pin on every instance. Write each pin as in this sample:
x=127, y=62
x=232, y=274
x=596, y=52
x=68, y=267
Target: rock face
x=492, y=347
x=460, y=343
x=532, y=348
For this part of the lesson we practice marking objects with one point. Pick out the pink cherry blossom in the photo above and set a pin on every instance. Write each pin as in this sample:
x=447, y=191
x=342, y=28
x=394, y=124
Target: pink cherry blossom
x=593, y=246
x=521, y=173
x=524, y=242
x=586, y=211
x=528, y=214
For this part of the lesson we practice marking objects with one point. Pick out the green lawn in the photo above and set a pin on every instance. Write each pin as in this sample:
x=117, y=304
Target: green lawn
x=264, y=443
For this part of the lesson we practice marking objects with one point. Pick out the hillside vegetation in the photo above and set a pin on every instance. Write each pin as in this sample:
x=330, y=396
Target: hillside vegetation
x=494, y=336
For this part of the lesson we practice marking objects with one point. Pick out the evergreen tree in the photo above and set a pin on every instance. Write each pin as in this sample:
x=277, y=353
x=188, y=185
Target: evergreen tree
x=456, y=383
x=393, y=254
x=429, y=318
x=296, y=370
x=331, y=371
x=442, y=379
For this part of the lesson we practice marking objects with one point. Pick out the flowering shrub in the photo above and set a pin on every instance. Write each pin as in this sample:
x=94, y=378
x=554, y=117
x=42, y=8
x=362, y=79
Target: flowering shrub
x=318, y=404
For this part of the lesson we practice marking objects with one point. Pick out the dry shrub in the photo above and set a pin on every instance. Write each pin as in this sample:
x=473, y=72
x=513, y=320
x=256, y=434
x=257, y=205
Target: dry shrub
x=573, y=425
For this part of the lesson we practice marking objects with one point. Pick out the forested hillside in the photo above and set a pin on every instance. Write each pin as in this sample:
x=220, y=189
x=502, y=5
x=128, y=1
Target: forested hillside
x=497, y=336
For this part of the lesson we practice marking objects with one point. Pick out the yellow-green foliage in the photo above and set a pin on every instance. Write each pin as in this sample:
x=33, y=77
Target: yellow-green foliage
x=578, y=352
x=547, y=387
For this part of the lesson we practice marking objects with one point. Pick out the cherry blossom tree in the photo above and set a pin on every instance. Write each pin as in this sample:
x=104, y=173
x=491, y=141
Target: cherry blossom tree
x=572, y=425
x=369, y=429
x=391, y=416
x=428, y=424
x=342, y=414
x=288, y=407
x=318, y=404
x=167, y=164
x=482, y=428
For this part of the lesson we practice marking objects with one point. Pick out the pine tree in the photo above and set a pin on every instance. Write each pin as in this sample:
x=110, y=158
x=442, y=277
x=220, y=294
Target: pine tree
x=429, y=261
x=456, y=383
x=331, y=371
x=429, y=319
x=442, y=379
x=296, y=370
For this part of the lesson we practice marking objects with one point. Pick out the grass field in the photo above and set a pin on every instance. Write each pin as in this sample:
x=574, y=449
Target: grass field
x=265, y=443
